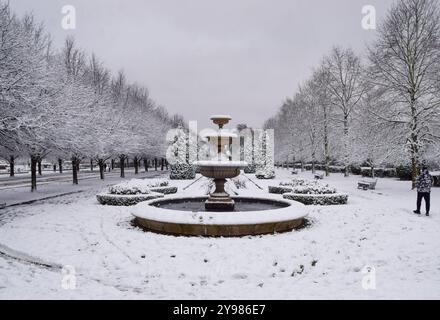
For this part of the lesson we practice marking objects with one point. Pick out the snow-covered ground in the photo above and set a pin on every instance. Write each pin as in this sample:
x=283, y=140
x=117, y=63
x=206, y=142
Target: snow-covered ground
x=112, y=259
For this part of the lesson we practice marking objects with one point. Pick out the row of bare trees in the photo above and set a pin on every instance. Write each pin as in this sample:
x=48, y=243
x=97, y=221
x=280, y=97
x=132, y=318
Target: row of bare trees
x=380, y=109
x=65, y=104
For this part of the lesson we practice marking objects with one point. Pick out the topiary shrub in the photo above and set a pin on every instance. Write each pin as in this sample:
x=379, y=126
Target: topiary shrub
x=318, y=199
x=265, y=173
x=250, y=169
x=182, y=171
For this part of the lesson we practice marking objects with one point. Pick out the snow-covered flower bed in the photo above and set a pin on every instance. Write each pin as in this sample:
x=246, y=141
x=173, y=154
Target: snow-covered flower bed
x=285, y=187
x=309, y=192
x=314, y=189
x=318, y=199
x=126, y=199
x=131, y=192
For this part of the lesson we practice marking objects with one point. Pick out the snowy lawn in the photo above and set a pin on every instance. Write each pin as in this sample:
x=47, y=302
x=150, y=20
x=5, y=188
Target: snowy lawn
x=113, y=259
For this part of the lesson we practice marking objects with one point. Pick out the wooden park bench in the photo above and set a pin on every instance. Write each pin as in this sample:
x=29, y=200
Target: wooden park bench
x=367, y=184
x=319, y=176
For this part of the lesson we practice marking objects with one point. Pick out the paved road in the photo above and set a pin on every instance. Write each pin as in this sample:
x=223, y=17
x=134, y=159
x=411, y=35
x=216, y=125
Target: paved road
x=24, y=181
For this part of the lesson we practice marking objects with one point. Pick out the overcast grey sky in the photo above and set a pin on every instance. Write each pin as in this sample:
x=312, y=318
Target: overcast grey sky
x=203, y=57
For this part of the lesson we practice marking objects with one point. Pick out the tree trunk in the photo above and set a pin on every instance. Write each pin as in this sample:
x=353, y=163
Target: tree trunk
x=91, y=164
x=34, y=160
x=166, y=164
x=101, y=169
x=414, y=142
x=136, y=165
x=346, y=148
x=11, y=166
x=372, y=172
x=75, y=170
x=60, y=165
x=146, y=164
x=122, y=166
x=326, y=144
x=155, y=164
x=39, y=167
x=113, y=164
x=162, y=165
x=54, y=168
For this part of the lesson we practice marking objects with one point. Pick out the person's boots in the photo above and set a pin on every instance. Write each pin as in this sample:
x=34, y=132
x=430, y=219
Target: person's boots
x=416, y=212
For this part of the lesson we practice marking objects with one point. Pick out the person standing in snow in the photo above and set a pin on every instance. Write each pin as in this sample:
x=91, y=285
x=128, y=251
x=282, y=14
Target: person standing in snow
x=424, y=183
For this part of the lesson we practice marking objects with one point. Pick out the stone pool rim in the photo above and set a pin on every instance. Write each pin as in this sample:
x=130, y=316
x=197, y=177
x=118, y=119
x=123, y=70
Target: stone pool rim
x=201, y=223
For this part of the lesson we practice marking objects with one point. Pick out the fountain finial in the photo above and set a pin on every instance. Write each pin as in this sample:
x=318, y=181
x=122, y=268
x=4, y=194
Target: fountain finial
x=221, y=120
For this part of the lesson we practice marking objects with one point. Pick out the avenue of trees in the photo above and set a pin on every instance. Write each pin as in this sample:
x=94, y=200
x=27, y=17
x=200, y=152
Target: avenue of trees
x=63, y=104
x=379, y=109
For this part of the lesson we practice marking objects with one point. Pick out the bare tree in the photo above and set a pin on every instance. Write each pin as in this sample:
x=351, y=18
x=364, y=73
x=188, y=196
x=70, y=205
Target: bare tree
x=405, y=68
x=346, y=86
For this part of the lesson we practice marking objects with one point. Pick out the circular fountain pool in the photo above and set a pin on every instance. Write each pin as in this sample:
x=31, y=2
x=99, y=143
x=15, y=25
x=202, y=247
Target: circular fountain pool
x=251, y=216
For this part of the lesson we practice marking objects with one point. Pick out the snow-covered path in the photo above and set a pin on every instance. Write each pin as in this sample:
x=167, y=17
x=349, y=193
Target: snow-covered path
x=113, y=259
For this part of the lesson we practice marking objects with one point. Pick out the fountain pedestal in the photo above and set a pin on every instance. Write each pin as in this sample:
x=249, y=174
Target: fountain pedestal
x=219, y=200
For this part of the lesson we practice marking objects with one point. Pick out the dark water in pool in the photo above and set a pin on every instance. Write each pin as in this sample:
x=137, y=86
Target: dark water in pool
x=241, y=205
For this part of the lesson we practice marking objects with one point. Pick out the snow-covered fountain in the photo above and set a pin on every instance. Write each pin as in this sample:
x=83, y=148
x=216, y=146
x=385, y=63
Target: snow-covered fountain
x=220, y=214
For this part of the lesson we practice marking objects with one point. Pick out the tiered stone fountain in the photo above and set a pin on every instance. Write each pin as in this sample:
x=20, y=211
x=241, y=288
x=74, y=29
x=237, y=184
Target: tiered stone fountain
x=221, y=167
x=219, y=214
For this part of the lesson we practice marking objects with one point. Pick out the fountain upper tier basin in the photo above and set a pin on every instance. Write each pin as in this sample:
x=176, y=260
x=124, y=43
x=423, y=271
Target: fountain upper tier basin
x=185, y=216
x=220, y=169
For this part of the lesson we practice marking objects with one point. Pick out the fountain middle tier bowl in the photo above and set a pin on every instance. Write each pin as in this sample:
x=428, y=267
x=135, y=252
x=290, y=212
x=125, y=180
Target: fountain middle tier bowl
x=220, y=169
x=251, y=216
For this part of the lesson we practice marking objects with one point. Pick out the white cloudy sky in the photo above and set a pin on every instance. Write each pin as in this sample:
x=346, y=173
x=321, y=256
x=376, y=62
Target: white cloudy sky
x=203, y=57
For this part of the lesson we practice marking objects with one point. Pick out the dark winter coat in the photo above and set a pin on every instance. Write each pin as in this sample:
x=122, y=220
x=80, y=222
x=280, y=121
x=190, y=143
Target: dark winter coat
x=424, y=182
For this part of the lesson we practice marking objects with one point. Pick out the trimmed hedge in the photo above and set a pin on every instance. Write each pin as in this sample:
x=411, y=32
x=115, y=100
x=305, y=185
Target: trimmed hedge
x=318, y=199
x=279, y=189
x=164, y=190
x=126, y=200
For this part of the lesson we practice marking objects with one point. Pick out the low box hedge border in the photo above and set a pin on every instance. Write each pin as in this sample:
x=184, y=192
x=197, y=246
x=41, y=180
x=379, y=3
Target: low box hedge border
x=164, y=190
x=126, y=200
x=318, y=199
x=279, y=189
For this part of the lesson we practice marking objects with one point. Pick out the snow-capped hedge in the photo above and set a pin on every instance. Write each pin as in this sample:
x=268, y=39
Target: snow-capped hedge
x=131, y=192
x=126, y=199
x=182, y=171
x=164, y=190
x=298, y=182
x=318, y=199
x=313, y=189
x=279, y=189
x=141, y=186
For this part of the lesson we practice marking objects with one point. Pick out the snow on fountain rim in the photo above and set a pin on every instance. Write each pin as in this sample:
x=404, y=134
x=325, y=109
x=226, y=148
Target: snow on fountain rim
x=224, y=163
x=295, y=210
x=221, y=116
